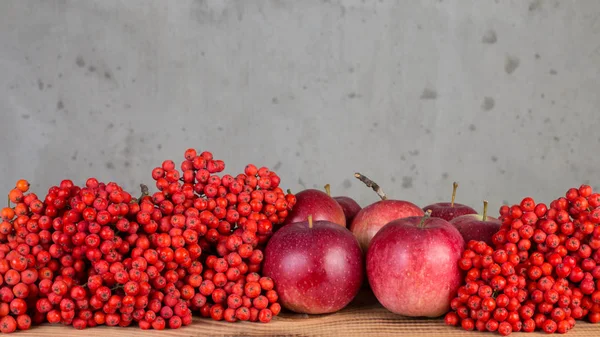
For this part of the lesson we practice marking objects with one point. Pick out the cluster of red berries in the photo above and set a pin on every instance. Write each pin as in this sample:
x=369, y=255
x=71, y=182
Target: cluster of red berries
x=500, y=296
x=543, y=274
x=93, y=255
x=233, y=217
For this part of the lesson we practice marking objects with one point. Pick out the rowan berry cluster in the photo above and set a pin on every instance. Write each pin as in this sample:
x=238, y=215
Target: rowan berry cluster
x=543, y=273
x=94, y=255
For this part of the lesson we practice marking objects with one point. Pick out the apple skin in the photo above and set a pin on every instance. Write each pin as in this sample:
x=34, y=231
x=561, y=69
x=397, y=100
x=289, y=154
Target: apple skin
x=316, y=270
x=413, y=271
x=371, y=218
x=350, y=207
x=447, y=211
x=472, y=227
x=318, y=204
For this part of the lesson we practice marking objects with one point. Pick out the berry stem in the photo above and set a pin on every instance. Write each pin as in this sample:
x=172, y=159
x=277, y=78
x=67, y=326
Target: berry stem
x=454, y=188
x=289, y=191
x=328, y=189
x=8, y=197
x=310, y=222
x=370, y=183
x=425, y=217
x=145, y=191
x=485, y=207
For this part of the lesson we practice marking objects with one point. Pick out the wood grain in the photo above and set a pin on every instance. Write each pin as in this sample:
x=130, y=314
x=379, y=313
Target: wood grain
x=364, y=317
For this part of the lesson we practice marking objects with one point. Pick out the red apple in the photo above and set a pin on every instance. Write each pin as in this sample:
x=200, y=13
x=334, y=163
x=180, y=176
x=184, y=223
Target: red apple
x=479, y=227
x=318, y=204
x=349, y=205
x=412, y=266
x=317, y=267
x=449, y=210
x=370, y=219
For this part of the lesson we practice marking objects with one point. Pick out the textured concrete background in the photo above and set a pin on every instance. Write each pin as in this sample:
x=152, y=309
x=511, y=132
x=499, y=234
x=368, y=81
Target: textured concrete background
x=501, y=96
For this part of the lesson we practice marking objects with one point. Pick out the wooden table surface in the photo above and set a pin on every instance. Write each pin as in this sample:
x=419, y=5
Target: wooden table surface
x=364, y=317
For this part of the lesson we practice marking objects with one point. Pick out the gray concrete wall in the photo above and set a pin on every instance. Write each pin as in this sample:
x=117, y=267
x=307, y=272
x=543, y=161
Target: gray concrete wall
x=501, y=96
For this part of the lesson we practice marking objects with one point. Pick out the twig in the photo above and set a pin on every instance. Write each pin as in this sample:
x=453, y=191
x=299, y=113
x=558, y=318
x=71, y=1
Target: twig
x=145, y=191
x=370, y=183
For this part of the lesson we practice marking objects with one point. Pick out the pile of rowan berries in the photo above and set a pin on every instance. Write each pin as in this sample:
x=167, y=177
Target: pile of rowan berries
x=542, y=274
x=95, y=255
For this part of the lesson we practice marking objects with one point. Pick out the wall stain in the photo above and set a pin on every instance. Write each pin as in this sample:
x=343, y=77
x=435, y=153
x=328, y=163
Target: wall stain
x=553, y=72
x=40, y=84
x=346, y=183
x=511, y=64
x=407, y=182
x=535, y=5
x=488, y=103
x=490, y=37
x=80, y=62
x=428, y=94
x=60, y=105
x=472, y=127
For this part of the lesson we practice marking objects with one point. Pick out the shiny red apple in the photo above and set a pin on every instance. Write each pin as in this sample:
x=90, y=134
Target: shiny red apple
x=449, y=210
x=479, y=227
x=318, y=204
x=317, y=267
x=349, y=205
x=372, y=218
x=412, y=266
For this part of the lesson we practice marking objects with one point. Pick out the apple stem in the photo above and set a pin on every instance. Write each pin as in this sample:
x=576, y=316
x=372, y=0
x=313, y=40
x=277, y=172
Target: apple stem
x=454, y=188
x=370, y=183
x=485, y=207
x=310, y=222
x=328, y=189
x=425, y=217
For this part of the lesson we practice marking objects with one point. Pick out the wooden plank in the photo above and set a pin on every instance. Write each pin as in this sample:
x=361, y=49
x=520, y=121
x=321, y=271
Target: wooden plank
x=364, y=317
